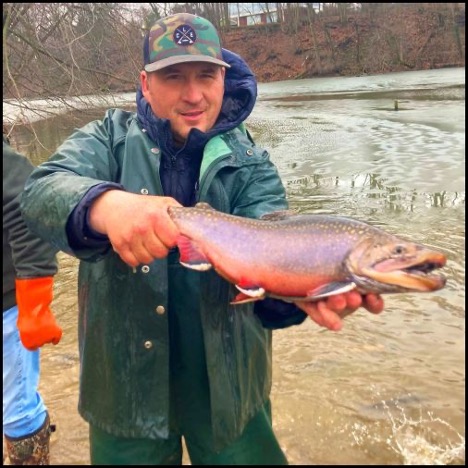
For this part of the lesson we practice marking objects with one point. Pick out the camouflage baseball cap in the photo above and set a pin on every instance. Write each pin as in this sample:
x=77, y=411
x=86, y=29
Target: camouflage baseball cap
x=181, y=38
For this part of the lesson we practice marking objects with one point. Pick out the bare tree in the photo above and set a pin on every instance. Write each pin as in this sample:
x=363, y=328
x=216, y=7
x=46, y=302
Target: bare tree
x=311, y=16
x=59, y=52
x=56, y=51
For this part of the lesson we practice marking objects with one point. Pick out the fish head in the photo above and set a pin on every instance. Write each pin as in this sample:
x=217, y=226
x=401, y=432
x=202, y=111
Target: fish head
x=388, y=264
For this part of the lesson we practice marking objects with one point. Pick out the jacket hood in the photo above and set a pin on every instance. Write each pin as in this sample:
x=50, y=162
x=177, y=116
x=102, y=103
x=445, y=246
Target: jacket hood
x=240, y=94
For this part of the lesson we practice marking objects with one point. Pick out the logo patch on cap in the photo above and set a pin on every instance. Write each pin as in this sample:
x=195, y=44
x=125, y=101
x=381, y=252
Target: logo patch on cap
x=184, y=35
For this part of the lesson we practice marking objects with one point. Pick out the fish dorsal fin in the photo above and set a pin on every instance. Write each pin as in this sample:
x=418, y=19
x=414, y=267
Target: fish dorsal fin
x=278, y=215
x=204, y=206
x=191, y=256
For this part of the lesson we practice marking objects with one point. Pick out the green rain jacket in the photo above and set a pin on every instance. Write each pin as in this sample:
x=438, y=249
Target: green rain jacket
x=123, y=314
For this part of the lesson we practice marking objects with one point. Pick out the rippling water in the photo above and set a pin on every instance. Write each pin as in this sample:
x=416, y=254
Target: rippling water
x=387, y=389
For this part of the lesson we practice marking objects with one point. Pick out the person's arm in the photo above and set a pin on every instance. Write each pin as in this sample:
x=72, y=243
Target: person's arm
x=79, y=231
x=91, y=213
x=33, y=260
x=276, y=314
x=54, y=202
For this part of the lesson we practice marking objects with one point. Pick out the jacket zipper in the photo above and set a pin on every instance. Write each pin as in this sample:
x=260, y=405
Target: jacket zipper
x=196, y=190
x=174, y=174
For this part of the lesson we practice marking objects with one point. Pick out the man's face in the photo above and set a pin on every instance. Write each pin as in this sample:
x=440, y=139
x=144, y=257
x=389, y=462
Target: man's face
x=188, y=94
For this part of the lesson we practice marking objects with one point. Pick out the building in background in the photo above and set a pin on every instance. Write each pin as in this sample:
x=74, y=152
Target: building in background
x=250, y=14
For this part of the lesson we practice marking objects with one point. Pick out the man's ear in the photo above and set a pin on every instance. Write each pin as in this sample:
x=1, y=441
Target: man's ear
x=144, y=81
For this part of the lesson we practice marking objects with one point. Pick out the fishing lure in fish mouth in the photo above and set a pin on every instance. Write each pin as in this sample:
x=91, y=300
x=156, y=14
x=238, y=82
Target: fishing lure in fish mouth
x=303, y=257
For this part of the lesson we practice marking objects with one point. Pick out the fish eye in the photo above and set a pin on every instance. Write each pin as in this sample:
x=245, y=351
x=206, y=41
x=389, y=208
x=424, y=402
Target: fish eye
x=398, y=250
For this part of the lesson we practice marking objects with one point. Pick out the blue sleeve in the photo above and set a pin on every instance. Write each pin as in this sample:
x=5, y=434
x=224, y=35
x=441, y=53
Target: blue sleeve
x=79, y=232
x=275, y=314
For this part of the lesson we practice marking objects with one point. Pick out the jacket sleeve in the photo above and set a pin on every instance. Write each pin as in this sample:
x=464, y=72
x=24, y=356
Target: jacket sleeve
x=276, y=314
x=31, y=256
x=79, y=232
x=58, y=186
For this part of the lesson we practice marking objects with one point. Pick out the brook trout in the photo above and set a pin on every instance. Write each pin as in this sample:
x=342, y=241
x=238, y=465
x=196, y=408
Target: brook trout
x=302, y=257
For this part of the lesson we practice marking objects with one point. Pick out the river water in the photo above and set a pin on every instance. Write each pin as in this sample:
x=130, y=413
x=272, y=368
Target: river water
x=387, y=389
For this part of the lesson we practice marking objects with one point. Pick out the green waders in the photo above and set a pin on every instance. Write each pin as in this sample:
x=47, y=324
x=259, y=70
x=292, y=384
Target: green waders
x=190, y=403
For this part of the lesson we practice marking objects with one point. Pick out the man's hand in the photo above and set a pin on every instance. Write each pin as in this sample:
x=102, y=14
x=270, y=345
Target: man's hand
x=138, y=226
x=330, y=311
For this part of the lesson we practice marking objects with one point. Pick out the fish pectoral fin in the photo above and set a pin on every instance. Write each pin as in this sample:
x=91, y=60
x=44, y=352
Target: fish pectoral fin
x=242, y=298
x=191, y=256
x=252, y=291
x=331, y=289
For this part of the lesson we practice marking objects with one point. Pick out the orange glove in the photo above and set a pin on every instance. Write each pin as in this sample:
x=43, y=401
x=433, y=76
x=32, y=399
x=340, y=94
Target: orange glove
x=36, y=323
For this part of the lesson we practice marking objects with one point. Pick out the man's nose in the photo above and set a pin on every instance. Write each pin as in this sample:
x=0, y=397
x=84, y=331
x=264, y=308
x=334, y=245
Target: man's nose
x=192, y=92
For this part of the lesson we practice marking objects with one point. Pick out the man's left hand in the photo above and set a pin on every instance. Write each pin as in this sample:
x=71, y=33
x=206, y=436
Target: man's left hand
x=330, y=312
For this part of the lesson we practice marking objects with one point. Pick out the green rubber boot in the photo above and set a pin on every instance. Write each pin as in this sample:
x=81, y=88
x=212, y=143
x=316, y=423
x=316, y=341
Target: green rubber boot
x=32, y=449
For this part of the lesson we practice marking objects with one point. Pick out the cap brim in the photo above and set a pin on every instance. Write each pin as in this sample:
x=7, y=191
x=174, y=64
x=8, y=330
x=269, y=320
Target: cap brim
x=167, y=62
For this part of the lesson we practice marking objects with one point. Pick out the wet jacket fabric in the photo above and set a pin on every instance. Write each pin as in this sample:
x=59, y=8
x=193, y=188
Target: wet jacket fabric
x=126, y=317
x=24, y=254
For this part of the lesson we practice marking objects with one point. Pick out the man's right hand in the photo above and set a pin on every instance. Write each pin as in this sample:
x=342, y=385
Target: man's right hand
x=329, y=312
x=138, y=226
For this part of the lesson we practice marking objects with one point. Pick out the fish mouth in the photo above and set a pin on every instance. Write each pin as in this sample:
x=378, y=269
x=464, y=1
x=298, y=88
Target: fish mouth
x=413, y=274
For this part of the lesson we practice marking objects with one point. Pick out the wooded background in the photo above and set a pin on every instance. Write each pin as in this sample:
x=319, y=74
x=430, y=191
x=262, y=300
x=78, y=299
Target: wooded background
x=72, y=49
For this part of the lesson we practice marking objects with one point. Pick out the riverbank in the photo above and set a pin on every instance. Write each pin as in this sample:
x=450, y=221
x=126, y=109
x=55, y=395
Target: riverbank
x=402, y=39
x=31, y=110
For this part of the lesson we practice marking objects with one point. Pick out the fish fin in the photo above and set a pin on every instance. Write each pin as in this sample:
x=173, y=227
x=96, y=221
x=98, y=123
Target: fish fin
x=252, y=291
x=278, y=215
x=191, y=256
x=288, y=298
x=204, y=206
x=331, y=289
x=242, y=298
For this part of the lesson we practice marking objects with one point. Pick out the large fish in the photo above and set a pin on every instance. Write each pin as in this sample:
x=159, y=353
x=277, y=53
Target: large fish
x=302, y=257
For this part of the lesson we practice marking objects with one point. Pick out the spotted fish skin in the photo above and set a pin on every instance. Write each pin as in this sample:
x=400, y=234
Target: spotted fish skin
x=303, y=257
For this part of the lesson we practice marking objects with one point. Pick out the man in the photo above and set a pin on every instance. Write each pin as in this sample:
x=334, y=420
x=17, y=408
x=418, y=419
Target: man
x=29, y=265
x=163, y=354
